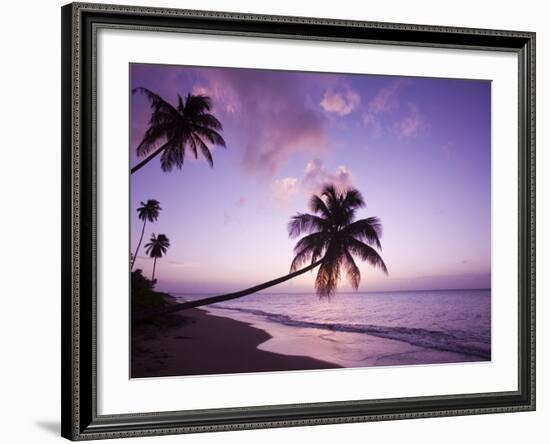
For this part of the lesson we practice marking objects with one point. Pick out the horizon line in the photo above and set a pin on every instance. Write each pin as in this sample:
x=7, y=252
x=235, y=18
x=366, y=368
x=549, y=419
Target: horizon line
x=338, y=292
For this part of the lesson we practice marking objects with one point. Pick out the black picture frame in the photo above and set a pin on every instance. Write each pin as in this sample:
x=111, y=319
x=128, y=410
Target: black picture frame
x=79, y=385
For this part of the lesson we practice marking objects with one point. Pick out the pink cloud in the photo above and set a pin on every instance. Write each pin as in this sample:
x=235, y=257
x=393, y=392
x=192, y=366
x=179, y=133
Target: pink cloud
x=387, y=101
x=224, y=98
x=316, y=175
x=340, y=102
x=273, y=112
x=314, y=178
x=282, y=190
x=412, y=124
x=202, y=90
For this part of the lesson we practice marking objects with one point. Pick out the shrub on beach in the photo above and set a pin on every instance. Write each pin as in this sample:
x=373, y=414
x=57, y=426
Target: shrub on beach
x=144, y=297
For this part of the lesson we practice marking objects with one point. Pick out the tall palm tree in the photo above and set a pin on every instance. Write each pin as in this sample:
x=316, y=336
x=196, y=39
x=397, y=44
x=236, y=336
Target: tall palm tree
x=333, y=238
x=156, y=248
x=148, y=211
x=189, y=125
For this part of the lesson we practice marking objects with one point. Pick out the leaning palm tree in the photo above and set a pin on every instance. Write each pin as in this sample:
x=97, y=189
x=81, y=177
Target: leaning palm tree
x=156, y=248
x=333, y=238
x=174, y=129
x=148, y=211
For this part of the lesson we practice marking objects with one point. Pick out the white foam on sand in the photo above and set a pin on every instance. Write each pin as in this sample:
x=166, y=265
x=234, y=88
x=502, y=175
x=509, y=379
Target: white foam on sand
x=346, y=349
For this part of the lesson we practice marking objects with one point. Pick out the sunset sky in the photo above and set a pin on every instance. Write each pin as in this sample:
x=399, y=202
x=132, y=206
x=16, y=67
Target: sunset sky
x=419, y=149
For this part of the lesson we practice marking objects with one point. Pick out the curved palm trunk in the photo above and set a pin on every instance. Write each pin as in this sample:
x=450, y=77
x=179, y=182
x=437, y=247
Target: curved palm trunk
x=139, y=245
x=148, y=159
x=226, y=297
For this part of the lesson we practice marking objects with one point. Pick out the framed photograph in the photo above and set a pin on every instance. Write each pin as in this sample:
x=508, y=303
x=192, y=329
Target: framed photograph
x=282, y=221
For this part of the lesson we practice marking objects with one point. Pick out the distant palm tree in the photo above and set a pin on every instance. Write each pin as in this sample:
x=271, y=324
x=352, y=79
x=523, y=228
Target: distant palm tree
x=156, y=248
x=189, y=125
x=334, y=237
x=148, y=211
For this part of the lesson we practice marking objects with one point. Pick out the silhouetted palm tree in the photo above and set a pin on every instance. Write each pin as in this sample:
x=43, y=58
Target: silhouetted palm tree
x=156, y=248
x=148, y=211
x=334, y=237
x=189, y=125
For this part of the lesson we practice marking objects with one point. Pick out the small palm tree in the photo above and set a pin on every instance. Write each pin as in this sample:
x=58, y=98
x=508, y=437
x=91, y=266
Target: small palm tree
x=148, y=211
x=156, y=248
x=189, y=125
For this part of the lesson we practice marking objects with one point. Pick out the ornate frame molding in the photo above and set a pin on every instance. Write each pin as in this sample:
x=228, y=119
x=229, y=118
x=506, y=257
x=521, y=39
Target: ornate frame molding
x=80, y=22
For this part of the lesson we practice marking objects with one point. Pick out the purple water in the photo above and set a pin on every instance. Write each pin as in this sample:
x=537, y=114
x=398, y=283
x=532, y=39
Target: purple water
x=455, y=321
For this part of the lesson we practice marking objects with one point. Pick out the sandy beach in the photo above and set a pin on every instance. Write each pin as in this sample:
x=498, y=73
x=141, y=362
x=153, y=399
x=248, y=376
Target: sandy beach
x=195, y=342
x=219, y=341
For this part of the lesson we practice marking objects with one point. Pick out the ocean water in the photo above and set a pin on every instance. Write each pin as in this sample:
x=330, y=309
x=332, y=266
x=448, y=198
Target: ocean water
x=417, y=326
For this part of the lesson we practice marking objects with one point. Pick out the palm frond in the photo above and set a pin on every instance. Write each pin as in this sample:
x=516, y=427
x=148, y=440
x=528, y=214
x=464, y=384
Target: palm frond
x=157, y=245
x=149, y=210
x=173, y=155
x=330, y=192
x=209, y=134
x=181, y=106
x=317, y=253
x=204, y=149
x=328, y=277
x=318, y=205
x=163, y=242
x=191, y=142
x=152, y=136
x=333, y=199
x=309, y=247
x=366, y=253
x=300, y=259
x=352, y=199
x=352, y=270
x=158, y=104
x=305, y=223
x=209, y=121
x=367, y=230
x=312, y=241
x=197, y=104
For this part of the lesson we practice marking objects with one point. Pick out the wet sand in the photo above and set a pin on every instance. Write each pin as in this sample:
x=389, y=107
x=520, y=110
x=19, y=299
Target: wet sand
x=194, y=342
x=348, y=350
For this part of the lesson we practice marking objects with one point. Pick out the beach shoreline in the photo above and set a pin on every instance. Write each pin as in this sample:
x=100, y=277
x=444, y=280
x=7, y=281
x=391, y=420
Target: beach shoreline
x=346, y=349
x=211, y=342
x=194, y=342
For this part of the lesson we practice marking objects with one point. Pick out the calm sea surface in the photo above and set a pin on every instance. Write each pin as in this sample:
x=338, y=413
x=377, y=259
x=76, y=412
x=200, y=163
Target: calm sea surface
x=456, y=321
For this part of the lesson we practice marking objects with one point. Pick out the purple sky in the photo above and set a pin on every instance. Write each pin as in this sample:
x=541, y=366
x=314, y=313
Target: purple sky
x=419, y=149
